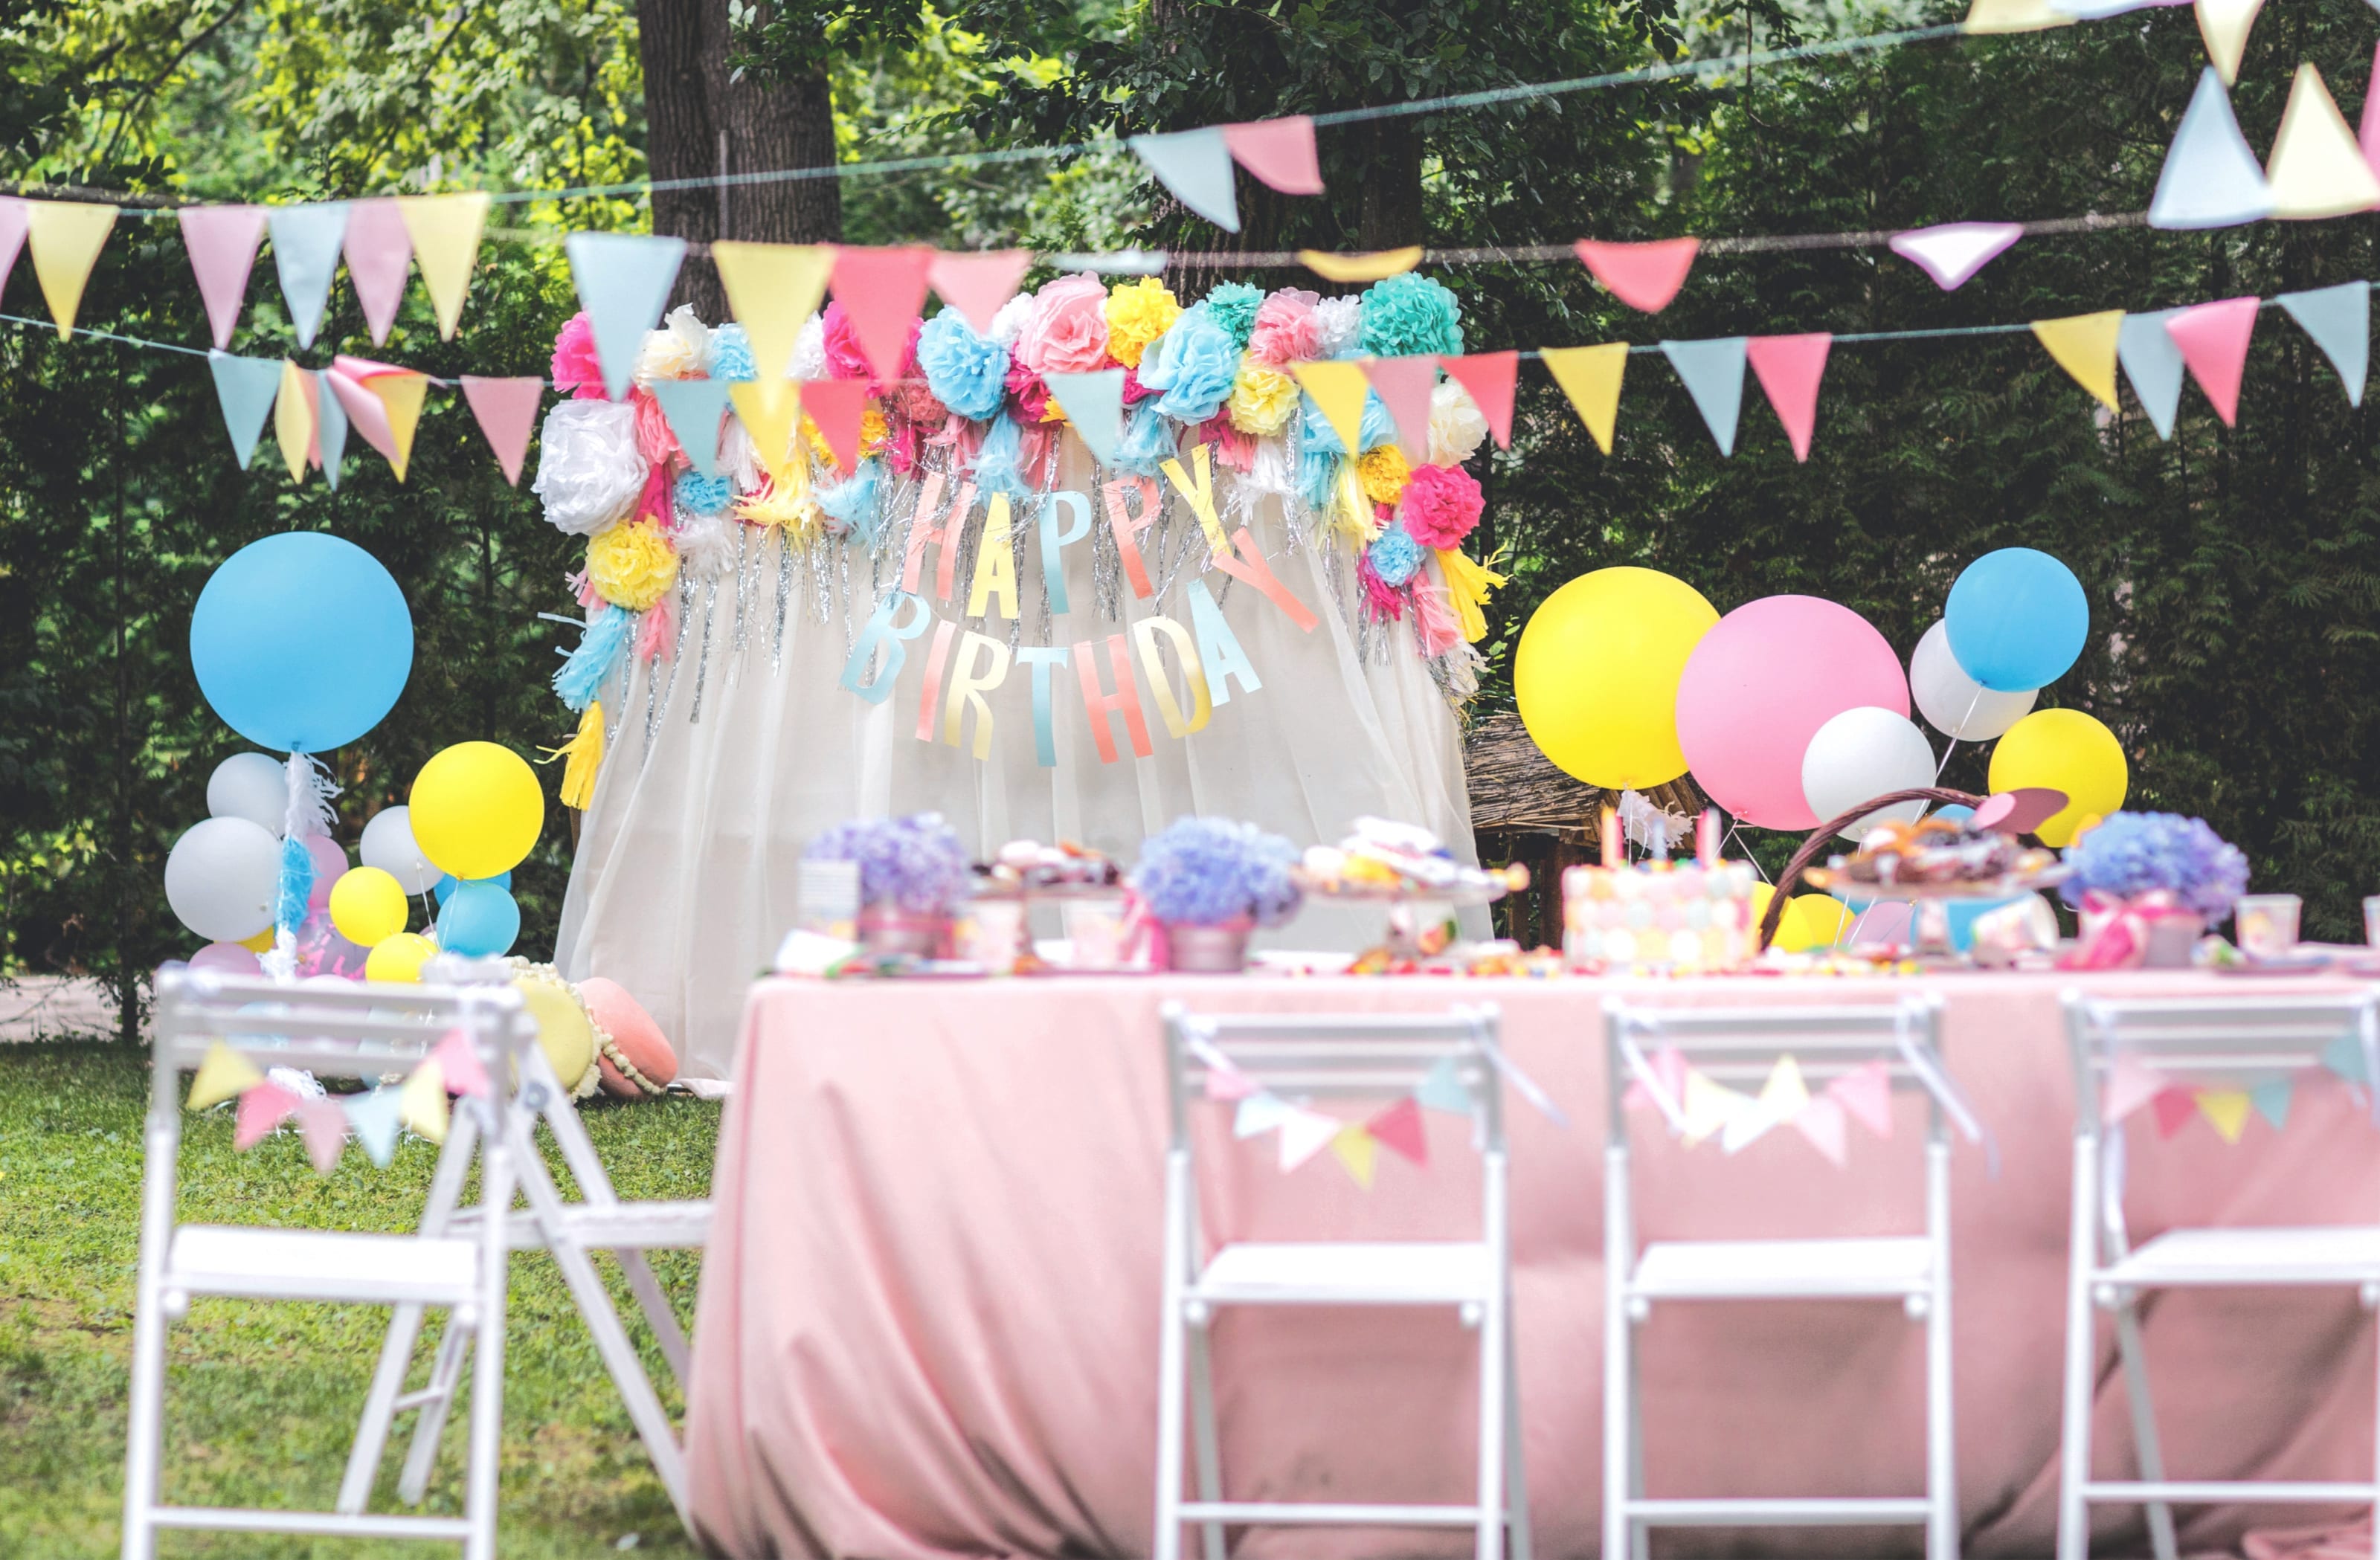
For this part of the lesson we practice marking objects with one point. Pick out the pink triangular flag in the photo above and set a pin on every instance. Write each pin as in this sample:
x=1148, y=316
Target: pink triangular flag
x=1305, y=1134
x=261, y=1109
x=1643, y=276
x=1399, y=1128
x=881, y=290
x=507, y=414
x=2132, y=1083
x=13, y=222
x=977, y=284
x=1489, y=377
x=1278, y=152
x=1822, y=1121
x=2367, y=132
x=1669, y=1065
x=459, y=1065
x=222, y=241
x=1790, y=367
x=1403, y=385
x=836, y=405
x=1866, y=1093
x=324, y=1125
x=366, y=413
x=378, y=248
x=1229, y=1084
x=2173, y=1106
x=2213, y=342
x=1953, y=252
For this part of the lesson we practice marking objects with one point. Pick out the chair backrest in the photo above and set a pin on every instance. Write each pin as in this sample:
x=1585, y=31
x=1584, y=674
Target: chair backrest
x=2230, y=1042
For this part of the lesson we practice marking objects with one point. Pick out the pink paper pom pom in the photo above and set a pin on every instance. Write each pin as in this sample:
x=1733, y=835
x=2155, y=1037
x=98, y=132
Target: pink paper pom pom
x=574, y=368
x=1441, y=505
x=1028, y=396
x=655, y=439
x=847, y=360
x=1286, y=330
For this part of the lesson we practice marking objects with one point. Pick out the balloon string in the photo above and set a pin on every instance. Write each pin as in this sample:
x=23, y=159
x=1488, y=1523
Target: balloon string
x=1747, y=851
x=1953, y=746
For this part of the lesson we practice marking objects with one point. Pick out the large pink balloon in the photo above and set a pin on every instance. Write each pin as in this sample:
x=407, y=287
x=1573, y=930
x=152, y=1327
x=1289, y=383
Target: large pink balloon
x=1760, y=684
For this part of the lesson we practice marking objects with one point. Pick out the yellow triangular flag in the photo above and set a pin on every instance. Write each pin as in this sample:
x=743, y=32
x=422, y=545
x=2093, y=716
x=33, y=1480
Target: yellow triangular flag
x=422, y=1104
x=769, y=409
x=2084, y=345
x=445, y=232
x=1359, y=1151
x=292, y=417
x=1371, y=267
x=225, y=1074
x=1590, y=377
x=2316, y=169
x=2222, y=25
x=772, y=288
x=2225, y=1110
x=1782, y=1098
x=400, y=394
x=2014, y=15
x=1708, y=1106
x=66, y=237
x=1339, y=389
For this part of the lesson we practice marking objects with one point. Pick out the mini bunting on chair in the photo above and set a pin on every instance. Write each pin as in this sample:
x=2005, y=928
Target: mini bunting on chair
x=2210, y=178
x=245, y=387
x=1403, y=385
x=1376, y=265
x=2152, y=360
x=324, y=1128
x=458, y=1065
x=1279, y=152
x=292, y=419
x=624, y=279
x=772, y=289
x=1953, y=252
x=2271, y=1099
x=1669, y=1068
x=2174, y=1107
x=692, y=410
x=2345, y=1056
x=445, y=232
x=2339, y=321
x=881, y=290
x=507, y=412
x=222, y=242
x=1644, y=276
x=261, y=1110
x=837, y=406
x=1356, y=1148
x=1590, y=377
x=2223, y=27
x=1711, y=1106
x=1399, y=1128
x=1489, y=377
x=1260, y=1113
x=2084, y=345
x=2132, y=1083
x=2225, y=1110
x=977, y=285
x=1442, y=1088
x=1196, y=166
x=306, y=257
x=1713, y=373
x=2213, y=342
x=421, y=1102
x=1866, y=1093
x=374, y=1117
x=1305, y=1135
x=66, y=238
x=1823, y=1121
x=1094, y=406
x=1339, y=389
x=378, y=250
x=2317, y=168
x=1789, y=369
x=223, y=1075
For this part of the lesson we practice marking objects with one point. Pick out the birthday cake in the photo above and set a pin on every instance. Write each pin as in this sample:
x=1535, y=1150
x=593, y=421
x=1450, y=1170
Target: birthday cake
x=1659, y=917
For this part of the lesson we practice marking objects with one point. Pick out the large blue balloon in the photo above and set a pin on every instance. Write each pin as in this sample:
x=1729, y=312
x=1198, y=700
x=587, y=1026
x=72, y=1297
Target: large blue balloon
x=479, y=919
x=301, y=642
x=444, y=887
x=2016, y=620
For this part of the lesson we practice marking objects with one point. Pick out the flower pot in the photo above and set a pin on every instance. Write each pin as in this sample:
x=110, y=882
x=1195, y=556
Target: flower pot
x=887, y=932
x=1209, y=951
x=2173, y=940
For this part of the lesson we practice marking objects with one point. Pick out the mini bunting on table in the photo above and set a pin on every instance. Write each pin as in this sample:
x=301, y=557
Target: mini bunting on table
x=1590, y=377
x=2210, y=177
x=324, y=1128
x=881, y=290
x=1713, y=374
x=2152, y=360
x=2223, y=27
x=2084, y=345
x=977, y=285
x=2339, y=321
x=1094, y=406
x=769, y=410
x=1789, y=369
x=1403, y=385
x=772, y=289
x=1644, y=276
x=693, y=408
x=1399, y=1128
x=1339, y=389
x=1279, y=152
x=421, y=1102
x=66, y=238
x=837, y=406
x=245, y=387
x=1490, y=378
x=2317, y=168
x=1374, y=265
x=223, y=1075
x=1953, y=252
x=1196, y=166
x=12, y=235
x=445, y=232
x=2213, y=342
x=1358, y=1150
x=1305, y=1135
x=624, y=279
x=292, y=419
x=374, y=1117
x=261, y=1110
x=306, y=242
x=507, y=412
x=222, y=242
x=378, y=250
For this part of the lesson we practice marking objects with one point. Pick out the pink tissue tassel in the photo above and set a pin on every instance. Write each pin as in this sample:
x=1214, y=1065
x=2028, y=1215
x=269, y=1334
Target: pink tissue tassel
x=1434, y=620
x=654, y=633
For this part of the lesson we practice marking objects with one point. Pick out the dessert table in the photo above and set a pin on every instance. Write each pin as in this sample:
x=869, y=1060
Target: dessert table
x=928, y=1322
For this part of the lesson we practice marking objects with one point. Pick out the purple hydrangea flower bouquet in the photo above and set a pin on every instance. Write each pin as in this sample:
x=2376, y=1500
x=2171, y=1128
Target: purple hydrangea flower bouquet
x=913, y=873
x=1208, y=882
x=2175, y=872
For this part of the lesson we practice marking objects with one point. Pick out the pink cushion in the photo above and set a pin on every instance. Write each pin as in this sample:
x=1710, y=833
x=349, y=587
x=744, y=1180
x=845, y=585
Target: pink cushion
x=633, y=1031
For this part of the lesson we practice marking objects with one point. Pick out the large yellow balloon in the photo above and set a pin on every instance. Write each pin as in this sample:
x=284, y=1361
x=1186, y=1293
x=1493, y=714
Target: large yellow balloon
x=2064, y=750
x=399, y=959
x=1597, y=674
x=477, y=810
x=367, y=906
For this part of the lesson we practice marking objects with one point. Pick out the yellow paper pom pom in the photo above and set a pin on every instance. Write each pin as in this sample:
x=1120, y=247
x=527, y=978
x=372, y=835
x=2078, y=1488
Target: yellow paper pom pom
x=875, y=432
x=789, y=504
x=1262, y=401
x=632, y=565
x=1138, y=312
x=1384, y=472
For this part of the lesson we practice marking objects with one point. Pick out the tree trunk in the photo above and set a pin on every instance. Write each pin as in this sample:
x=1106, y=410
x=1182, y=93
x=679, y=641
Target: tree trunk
x=1391, y=215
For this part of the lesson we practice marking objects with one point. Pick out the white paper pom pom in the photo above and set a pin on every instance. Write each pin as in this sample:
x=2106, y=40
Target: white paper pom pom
x=1009, y=323
x=589, y=472
x=676, y=350
x=810, y=350
x=1457, y=427
x=1338, y=326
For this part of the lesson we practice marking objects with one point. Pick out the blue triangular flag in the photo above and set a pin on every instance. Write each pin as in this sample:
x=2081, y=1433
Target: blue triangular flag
x=624, y=279
x=2339, y=321
x=1260, y=1113
x=1094, y=403
x=374, y=1117
x=2211, y=178
x=693, y=408
x=2271, y=1099
x=2152, y=360
x=1714, y=374
x=245, y=386
x=306, y=254
x=1443, y=1089
x=1196, y=166
x=2344, y=1055
x=330, y=428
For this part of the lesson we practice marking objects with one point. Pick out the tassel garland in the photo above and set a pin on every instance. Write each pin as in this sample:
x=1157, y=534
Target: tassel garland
x=600, y=649
x=585, y=753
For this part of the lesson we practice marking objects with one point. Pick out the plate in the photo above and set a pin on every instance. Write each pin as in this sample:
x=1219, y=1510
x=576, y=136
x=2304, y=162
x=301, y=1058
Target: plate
x=2297, y=964
x=1829, y=880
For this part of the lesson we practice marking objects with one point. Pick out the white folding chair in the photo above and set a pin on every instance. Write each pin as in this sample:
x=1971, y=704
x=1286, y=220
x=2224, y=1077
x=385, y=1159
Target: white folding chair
x=363, y=1032
x=2226, y=1044
x=1740, y=1046
x=601, y=1221
x=1321, y=1058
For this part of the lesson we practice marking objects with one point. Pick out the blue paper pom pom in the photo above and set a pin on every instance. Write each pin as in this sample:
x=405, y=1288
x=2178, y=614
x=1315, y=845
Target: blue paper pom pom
x=1410, y=315
x=966, y=372
x=703, y=495
x=1396, y=556
x=851, y=503
x=1148, y=444
x=1194, y=364
x=998, y=463
x=730, y=357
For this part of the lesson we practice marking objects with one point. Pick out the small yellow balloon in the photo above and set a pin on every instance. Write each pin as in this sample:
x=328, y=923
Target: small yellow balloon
x=261, y=943
x=477, y=810
x=2063, y=750
x=1810, y=920
x=399, y=958
x=563, y=1032
x=367, y=906
x=1597, y=674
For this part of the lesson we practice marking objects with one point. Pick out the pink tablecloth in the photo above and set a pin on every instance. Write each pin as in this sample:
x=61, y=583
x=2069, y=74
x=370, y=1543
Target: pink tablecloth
x=927, y=1324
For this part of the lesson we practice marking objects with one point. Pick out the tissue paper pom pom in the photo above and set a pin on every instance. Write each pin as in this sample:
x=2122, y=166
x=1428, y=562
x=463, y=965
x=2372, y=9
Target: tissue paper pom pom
x=1384, y=472
x=1028, y=397
x=729, y=353
x=1234, y=307
x=1316, y=436
x=1148, y=444
x=574, y=368
x=1008, y=320
x=1285, y=329
x=630, y=566
x=914, y=864
x=675, y=350
x=1138, y=312
x=1379, y=427
x=698, y=494
x=589, y=472
x=1262, y=401
x=1410, y=315
x=1441, y=505
x=845, y=359
x=1134, y=393
x=1205, y=872
x=1194, y=364
x=965, y=372
x=1457, y=427
x=704, y=544
x=1337, y=328
x=1396, y=556
x=915, y=400
x=1066, y=330
x=875, y=432
x=810, y=350
x=656, y=440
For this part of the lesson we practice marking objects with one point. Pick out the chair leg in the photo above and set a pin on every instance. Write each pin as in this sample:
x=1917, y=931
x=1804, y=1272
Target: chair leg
x=1941, y=1455
x=144, y=1445
x=1516, y=1483
x=1494, y=1323
x=654, y=1301
x=1172, y=1367
x=1205, y=1444
x=483, y=1473
x=2082, y=1356
x=2147, y=1447
x=1619, y=1423
x=430, y=1424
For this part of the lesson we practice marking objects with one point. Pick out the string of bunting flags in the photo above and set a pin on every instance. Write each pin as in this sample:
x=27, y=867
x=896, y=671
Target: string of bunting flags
x=324, y=1121
x=2133, y=1085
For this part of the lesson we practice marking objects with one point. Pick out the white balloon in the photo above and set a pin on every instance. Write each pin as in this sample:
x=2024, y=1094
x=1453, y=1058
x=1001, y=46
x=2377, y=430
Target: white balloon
x=221, y=879
x=252, y=786
x=1862, y=753
x=388, y=844
x=1955, y=704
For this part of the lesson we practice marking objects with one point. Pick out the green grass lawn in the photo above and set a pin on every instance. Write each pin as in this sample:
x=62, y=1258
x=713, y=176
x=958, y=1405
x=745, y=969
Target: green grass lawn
x=261, y=1399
